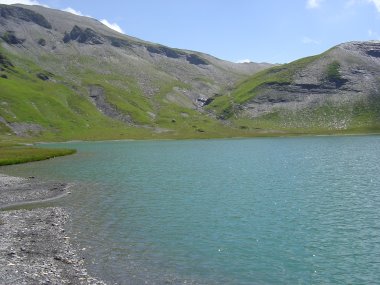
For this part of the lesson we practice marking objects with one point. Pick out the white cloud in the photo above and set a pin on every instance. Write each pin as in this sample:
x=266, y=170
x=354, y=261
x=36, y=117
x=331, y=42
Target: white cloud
x=26, y=2
x=376, y=3
x=308, y=41
x=112, y=26
x=313, y=4
x=244, y=61
x=73, y=11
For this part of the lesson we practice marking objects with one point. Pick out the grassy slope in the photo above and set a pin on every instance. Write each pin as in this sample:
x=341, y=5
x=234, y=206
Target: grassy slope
x=249, y=88
x=62, y=108
x=361, y=117
x=16, y=155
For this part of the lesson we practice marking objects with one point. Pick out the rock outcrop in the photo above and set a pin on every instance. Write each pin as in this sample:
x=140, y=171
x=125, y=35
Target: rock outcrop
x=336, y=90
x=23, y=14
x=77, y=73
x=83, y=36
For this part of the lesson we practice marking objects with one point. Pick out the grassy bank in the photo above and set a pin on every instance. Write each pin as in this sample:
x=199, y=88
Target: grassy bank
x=20, y=154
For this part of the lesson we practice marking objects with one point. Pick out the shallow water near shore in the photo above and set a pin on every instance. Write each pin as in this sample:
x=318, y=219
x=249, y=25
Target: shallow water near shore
x=247, y=211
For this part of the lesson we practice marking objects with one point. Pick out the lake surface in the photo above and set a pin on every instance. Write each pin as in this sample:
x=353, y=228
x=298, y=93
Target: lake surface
x=244, y=211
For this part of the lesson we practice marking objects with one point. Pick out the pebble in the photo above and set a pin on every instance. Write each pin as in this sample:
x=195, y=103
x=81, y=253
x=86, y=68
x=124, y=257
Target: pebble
x=33, y=246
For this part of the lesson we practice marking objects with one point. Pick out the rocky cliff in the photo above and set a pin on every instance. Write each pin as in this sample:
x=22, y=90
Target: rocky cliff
x=336, y=90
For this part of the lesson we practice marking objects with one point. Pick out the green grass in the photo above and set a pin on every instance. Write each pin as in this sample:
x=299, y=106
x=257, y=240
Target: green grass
x=61, y=106
x=21, y=154
x=179, y=122
x=345, y=118
x=123, y=92
x=249, y=88
x=333, y=71
x=63, y=109
x=350, y=118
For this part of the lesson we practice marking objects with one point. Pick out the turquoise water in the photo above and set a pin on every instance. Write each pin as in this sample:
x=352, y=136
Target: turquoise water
x=249, y=211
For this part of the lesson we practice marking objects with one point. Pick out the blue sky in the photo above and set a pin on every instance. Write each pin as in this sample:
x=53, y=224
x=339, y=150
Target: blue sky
x=275, y=31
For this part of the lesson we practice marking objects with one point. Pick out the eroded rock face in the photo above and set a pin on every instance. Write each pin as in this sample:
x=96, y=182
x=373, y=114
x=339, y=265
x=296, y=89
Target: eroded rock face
x=75, y=45
x=371, y=48
x=172, y=53
x=164, y=51
x=327, y=92
x=117, y=42
x=44, y=75
x=86, y=36
x=23, y=129
x=195, y=59
x=98, y=97
x=10, y=38
x=26, y=129
x=23, y=14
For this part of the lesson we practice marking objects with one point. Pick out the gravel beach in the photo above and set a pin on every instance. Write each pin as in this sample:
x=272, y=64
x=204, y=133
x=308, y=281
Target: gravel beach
x=34, y=247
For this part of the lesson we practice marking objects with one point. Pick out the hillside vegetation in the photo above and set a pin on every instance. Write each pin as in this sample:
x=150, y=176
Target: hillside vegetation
x=68, y=77
x=21, y=154
x=334, y=92
x=65, y=77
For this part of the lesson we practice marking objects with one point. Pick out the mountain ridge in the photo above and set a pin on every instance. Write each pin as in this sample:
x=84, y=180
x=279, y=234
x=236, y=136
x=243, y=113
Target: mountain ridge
x=137, y=84
x=65, y=76
x=332, y=91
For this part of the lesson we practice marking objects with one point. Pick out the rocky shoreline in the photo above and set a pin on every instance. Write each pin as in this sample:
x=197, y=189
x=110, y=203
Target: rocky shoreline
x=34, y=247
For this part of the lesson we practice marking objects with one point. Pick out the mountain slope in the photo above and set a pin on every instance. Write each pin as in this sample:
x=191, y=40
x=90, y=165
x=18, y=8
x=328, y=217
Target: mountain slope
x=63, y=76
x=336, y=91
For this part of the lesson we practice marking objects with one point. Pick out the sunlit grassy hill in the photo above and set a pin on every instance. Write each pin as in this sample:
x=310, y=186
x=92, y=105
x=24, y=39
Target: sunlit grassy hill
x=334, y=92
x=70, y=77
x=65, y=77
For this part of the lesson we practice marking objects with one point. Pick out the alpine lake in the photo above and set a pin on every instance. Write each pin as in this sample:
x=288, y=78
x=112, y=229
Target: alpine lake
x=302, y=210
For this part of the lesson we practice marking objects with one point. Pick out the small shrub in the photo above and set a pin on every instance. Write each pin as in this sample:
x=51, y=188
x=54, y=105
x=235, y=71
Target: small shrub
x=10, y=38
x=42, y=42
x=333, y=71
